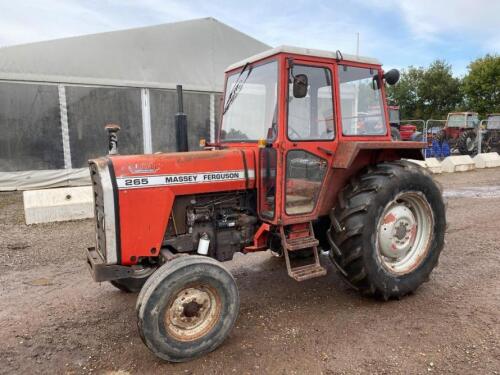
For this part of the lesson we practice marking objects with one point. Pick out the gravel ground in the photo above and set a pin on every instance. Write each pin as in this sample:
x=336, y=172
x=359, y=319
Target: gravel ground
x=55, y=319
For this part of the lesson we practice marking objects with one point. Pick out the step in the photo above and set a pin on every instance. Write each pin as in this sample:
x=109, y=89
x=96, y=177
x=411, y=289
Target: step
x=307, y=272
x=300, y=243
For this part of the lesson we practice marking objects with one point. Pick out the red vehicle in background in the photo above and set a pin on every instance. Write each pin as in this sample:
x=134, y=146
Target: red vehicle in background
x=399, y=132
x=460, y=131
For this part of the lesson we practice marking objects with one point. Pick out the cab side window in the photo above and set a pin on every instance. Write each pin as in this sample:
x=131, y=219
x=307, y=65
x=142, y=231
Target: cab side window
x=311, y=117
x=361, y=103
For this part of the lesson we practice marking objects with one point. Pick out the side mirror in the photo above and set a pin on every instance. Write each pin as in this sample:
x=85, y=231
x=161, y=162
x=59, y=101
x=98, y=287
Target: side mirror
x=300, y=83
x=391, y=77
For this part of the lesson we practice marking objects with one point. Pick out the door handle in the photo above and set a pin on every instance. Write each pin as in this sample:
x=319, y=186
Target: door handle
x=326, y=151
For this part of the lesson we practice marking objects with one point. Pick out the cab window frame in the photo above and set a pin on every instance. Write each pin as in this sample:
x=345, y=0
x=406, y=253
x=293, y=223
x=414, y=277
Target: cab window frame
x=236, y=71
x=330, y=68
x=383, y=99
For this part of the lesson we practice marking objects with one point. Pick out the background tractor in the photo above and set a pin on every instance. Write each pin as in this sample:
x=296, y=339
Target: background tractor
x=460, y=132
x=400, y=132
x=303, y=159
x=491, y=133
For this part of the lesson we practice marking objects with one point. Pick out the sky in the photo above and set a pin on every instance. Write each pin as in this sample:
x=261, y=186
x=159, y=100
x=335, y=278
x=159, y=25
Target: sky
x=399, y=33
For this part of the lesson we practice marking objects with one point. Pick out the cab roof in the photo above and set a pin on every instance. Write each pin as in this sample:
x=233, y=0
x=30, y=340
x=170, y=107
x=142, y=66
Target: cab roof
x=462, y=113
x=305, y=52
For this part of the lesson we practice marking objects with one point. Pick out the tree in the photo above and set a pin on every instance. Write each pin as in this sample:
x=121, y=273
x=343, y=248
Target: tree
x=426, y=92
x=404, y=93
x=481, y=85
x=439, y=92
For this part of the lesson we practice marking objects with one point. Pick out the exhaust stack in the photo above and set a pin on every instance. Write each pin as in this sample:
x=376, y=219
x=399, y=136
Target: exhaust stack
x=181, y=124
x=112, y=130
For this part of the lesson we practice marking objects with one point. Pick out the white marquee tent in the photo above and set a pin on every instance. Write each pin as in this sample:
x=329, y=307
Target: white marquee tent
x=56, y=96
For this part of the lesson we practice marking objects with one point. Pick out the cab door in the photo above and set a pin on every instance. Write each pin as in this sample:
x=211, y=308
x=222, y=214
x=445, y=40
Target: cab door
x=310, y=140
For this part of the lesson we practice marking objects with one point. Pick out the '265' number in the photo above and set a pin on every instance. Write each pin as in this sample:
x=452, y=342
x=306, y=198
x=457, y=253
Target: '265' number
x=136, y=181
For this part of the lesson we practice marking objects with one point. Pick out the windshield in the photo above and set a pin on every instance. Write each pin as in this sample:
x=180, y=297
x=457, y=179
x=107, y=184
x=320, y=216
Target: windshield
x=361, y=101
x=493, y=122
x=252, y=108
x=458, y=120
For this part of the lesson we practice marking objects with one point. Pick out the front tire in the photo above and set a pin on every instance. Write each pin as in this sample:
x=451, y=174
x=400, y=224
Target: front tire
x=391, y=232
x=187, y=308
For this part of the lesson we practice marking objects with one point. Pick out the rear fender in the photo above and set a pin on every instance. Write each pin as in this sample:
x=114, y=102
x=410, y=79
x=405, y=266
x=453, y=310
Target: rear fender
x=373, y=152
x=352, y=157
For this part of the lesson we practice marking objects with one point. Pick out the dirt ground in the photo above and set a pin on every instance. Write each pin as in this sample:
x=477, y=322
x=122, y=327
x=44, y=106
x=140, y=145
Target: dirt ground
x=55, y=319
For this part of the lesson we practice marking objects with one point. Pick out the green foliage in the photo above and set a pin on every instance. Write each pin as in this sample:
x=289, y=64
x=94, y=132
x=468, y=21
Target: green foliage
x=405, y=92
x=426, y=92
x=481, y=85
x=439, y=91
x=433, y=92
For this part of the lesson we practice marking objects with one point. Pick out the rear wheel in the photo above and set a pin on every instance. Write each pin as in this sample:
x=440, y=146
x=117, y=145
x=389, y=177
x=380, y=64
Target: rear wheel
x=391, y=232
x=187, y=308
x=467, y=144
x=395, y=134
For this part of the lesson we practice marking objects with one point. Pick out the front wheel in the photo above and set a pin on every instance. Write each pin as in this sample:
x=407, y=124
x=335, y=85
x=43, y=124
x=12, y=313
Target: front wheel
x=391, y=232
x=187, y=308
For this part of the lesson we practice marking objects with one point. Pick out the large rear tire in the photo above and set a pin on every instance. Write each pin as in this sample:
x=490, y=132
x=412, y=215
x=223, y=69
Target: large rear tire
x=395, y=134
x=467, y=144
x=391, y=229
x=187, y=308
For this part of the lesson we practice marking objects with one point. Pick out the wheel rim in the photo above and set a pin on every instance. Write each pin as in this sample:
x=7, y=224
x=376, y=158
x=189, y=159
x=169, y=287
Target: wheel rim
x=404, y=232
x=470, y=144
x=193, y=312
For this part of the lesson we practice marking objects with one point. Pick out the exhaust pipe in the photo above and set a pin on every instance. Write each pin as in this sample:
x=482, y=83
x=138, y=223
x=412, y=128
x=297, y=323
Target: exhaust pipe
x=181, y=124
x=112, y=130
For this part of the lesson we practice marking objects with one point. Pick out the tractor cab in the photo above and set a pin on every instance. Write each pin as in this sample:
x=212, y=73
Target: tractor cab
x=460, y=132
x=462, y=120
x=493, y=121
x=394, y=115
x=298, y=106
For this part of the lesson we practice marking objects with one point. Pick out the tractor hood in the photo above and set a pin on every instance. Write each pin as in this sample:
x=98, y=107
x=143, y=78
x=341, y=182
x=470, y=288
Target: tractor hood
x=224, y=169
x=134, y=194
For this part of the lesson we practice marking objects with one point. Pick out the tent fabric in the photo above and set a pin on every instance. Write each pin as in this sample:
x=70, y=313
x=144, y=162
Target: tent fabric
x=192, y=53
x=44, y=179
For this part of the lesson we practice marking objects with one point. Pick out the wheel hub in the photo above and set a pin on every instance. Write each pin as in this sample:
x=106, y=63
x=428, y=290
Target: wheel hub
x=397, y=232
x=470, y=144
x=404, y=232
x=192, y=313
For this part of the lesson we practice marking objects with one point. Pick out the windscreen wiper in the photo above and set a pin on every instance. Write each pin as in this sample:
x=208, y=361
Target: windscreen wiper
x=237, y=87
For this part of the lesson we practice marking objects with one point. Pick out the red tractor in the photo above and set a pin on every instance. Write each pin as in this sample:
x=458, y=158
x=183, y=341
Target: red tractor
x=460, y=131
x=491, y=133
x=400, y=132
x=283, y=174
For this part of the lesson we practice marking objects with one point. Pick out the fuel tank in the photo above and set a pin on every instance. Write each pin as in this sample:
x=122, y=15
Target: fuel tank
x=144, y=188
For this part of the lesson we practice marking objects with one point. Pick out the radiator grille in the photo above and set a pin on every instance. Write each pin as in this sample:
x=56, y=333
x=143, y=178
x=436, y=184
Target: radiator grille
x=98, y=210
